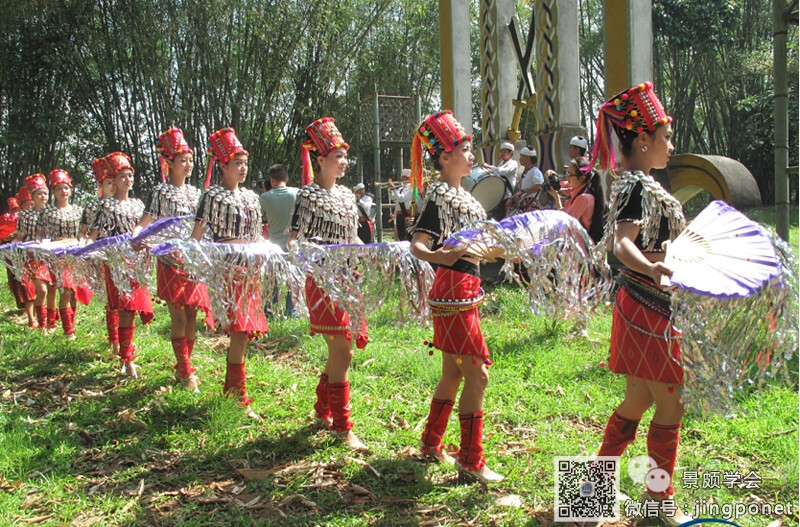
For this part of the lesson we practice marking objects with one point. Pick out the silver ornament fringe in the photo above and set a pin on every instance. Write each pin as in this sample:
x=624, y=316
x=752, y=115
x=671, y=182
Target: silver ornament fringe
x=732, y=346
x=361, y=277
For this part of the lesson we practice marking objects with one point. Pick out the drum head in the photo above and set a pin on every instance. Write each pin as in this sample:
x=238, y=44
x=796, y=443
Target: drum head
x=489, y=191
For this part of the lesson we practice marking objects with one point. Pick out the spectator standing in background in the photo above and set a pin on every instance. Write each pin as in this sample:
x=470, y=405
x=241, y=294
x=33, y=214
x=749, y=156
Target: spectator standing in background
x=366, y=214
x=277, y=205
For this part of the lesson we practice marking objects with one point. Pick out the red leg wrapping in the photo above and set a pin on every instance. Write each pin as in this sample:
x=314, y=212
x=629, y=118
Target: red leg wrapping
x=126, y=344
x=662, y=446
x=52, y=318
x=182, y=365
x=112, y=325
x=437, y=424
x=41, y=315
x=339, y=397
x=471, y=453
x=68, y=320
x=619, y=433
x=236, y=383
x=322, y=406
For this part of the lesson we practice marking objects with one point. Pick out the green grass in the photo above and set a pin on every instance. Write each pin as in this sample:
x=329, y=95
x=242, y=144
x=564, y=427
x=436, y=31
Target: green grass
x=80, y=445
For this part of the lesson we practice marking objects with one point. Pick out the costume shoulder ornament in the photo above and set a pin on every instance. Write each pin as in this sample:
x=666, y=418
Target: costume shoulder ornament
x=331, y=216
x=169, y=200
x=656, y=204
x=457, y=207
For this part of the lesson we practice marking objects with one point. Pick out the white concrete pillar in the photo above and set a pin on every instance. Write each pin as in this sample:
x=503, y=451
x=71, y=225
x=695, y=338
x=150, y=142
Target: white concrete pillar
x=456, y=60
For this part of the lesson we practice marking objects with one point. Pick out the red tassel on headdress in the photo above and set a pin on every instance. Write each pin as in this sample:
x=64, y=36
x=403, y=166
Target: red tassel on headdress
x=416, y=165
x=164, y=169
x=209, y=170
x=305, y=156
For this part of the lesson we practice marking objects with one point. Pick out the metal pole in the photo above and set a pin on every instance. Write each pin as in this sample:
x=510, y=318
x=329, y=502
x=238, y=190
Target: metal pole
x=377, y=157
x=781, y=118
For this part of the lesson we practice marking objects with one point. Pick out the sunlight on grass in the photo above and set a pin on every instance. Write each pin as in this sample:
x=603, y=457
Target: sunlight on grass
x=81, y=445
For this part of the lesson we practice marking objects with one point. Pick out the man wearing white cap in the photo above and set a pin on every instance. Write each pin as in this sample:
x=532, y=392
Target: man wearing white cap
x=366, y=213
x=506, y=169
x=578, y=146
x=527, y=198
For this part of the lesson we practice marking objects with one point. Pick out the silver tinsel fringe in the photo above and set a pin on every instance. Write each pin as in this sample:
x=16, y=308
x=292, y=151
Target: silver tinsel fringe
x=565, y=280
x=735, y=345
x=360, y=277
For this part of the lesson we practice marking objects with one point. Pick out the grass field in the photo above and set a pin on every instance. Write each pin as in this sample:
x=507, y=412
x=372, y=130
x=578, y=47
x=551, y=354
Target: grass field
x=80, y=445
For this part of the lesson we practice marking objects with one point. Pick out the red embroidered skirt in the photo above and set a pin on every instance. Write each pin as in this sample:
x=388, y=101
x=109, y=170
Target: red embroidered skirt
x=82, y=292
x=455, y=330
x=21, y=293
x=246, y=311
x=643, y=342
x=175, y=287
x=139, y=300
x=38, y=270
x=327, y=318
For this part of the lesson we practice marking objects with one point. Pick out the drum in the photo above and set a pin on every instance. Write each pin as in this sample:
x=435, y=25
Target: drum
x=487, y=188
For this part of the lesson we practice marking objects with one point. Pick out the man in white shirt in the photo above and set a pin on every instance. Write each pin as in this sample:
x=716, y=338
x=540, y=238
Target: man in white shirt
x=531, y=185
x=506, y=169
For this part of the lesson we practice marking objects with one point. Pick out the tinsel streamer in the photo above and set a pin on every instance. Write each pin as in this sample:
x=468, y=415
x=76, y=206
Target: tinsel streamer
x=164, y=230
x=563, y=277
x=360, y=277
x=53, y=255
x=236, y=269
x=128, y=266
x=14, y=256
x=733, y=345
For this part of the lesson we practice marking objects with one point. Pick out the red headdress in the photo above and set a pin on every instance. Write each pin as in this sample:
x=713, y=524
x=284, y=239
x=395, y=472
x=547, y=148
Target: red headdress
x=170, y=144
x=8, y=221
x=101, y=172
x=35, y=182
x=438, y=133
x=118, y=161
x=636, y=109
x=58, y=176
x=23, y=195
x=323, y=137
x=223, y=145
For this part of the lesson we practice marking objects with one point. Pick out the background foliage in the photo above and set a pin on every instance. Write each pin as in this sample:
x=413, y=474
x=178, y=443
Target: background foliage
x=81, y=78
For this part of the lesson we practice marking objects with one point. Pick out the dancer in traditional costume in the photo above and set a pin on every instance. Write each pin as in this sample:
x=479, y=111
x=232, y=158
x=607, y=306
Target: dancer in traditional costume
x=35, y=275
x=455, y=295
x=8, y=231
x=326, y=213
x=233, y=215
x=119, y=215
x=25, y=289
x=105, y=189
x=174, y=197
x=644, y=343
x=61, y=221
